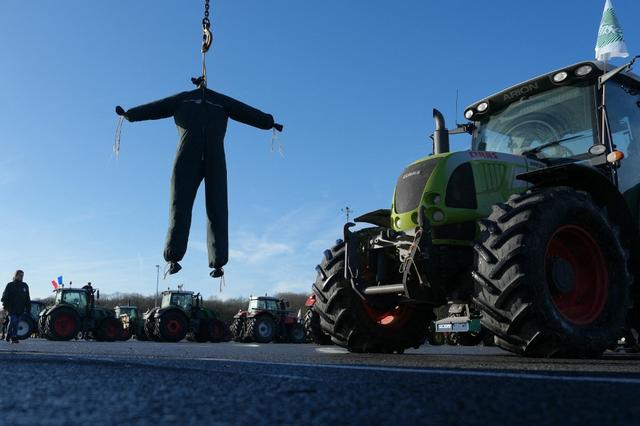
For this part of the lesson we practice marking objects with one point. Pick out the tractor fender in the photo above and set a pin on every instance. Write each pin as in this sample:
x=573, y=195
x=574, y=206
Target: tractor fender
x=61, y=306
x=380, y=217
x=589, y=179
x=162, y=311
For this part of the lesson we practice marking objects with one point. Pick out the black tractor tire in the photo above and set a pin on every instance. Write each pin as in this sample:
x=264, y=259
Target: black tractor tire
x=313, y=330
x=261, y=329
x=172, y=326
x=108, y=330
x=470, y=339
x=350, y=321
x=295, y=333
x=201, y=334
x=552, y=277
x=61, y=324
x=237, y=329
x=217, y=331
x=26, y=327
x=40, y=330
x=150, y=326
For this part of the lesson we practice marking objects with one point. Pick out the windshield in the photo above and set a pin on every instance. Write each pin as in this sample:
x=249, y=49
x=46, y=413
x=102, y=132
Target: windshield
x=131, y=312
x=184, y=300
x=77, y=298
x=564, y=114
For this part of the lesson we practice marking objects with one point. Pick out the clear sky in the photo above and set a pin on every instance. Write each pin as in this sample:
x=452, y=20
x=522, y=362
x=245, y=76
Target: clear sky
x=353, y=82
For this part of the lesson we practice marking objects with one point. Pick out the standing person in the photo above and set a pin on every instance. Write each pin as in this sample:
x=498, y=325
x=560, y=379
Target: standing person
x=16, y=301
x=90, y=303
x=201, y=116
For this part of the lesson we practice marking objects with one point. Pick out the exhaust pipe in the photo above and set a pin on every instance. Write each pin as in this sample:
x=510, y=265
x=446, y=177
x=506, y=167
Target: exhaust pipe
x=440, y=135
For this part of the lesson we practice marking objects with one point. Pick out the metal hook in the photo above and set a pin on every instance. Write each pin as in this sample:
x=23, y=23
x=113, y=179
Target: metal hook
x=207, y=39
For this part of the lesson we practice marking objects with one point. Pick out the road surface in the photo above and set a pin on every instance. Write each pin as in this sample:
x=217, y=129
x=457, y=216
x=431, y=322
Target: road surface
x=152, y=383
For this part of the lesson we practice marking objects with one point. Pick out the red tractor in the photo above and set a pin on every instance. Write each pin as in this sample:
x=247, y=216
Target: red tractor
x=267, y=319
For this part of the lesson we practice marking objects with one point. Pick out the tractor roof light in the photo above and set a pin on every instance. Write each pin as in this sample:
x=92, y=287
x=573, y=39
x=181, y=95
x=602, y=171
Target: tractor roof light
x=560, y=76
x=482, y=106
x=583, y=70
x=468, y=114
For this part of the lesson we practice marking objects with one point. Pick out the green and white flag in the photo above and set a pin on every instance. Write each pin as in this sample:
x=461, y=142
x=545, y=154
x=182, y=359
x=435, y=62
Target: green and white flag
x=610, y=42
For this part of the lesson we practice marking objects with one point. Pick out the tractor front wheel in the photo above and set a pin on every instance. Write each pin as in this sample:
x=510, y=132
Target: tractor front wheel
x=237, y=329
x=358, y=325
x=26, y=327
x=296, y=333
x=313, y=330
x=552, y=275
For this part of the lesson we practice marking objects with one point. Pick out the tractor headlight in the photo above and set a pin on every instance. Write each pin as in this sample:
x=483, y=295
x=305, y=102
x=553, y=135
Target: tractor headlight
x=583, y=70
x=468, y=114
x=560, y=76
x=482, y=106
x=437, y=215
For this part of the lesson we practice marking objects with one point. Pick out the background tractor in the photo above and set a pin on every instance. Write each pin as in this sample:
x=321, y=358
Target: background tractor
x=28, y=324
x=181, y=315
x=267, y=319
x=74, y=312
x=132, y=322
x=535, y=227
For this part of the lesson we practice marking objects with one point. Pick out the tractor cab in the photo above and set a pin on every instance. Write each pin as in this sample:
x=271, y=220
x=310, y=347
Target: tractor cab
x=130, y=311
x=76, y=297
x=182, y=299
x=270, y=304
x=36, y=307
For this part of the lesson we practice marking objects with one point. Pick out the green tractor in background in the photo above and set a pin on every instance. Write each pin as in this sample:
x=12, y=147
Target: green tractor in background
x=535, y=228
x=132, y=322
x=182, y=314
x=75, y=312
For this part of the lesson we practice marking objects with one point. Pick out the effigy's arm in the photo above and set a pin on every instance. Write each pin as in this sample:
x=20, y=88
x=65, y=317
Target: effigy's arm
x=246, y=114
x=155, y=110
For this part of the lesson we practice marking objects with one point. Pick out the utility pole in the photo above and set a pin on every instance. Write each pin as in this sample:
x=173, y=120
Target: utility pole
x=347, y=212
x=157, y=280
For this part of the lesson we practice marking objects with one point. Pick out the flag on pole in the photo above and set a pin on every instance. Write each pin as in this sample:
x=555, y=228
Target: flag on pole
x=54, y=284
x=610, y=43
x=60, y=280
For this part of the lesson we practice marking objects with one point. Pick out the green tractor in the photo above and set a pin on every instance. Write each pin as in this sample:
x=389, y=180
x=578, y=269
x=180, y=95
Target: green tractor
x=132, y=322
x=75, y=312
x=267, y=319
x=181, y=315
x=535, y=227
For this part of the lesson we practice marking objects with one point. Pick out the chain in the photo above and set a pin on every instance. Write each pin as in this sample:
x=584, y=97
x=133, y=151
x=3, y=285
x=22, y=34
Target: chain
x=207, y=39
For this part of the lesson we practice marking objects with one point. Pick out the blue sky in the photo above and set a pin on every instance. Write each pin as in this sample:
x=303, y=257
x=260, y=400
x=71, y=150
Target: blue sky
x=353, y=83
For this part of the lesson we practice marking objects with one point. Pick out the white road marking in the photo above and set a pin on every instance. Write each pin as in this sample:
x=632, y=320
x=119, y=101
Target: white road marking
x=332, y=350
x=447, y=372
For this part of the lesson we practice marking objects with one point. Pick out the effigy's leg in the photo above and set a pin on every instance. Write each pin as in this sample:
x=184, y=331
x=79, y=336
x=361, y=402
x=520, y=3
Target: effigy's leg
x=188, y=171
x=217, y=211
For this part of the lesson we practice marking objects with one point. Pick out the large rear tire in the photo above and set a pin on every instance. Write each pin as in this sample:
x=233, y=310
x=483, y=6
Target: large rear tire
x=150, y=325
x=354, y=324
x=171, y=326
x=108, y=330
x=552, y=275
x=61, y=324
x=262, y=329
x=296, y=333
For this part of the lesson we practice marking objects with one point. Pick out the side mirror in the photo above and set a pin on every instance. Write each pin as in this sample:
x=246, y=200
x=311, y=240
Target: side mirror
x=287, y=304
x=98, y=294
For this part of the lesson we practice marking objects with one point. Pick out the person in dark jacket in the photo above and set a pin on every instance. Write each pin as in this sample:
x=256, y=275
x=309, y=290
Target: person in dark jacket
x=16, y=301
x=201, y=117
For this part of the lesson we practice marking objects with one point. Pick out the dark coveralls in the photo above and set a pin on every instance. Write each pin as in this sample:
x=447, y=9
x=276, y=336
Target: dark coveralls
x=16, y=301
x=201, y=117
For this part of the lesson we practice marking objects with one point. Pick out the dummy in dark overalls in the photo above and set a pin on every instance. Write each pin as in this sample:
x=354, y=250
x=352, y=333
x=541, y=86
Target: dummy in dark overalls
x=201, y=117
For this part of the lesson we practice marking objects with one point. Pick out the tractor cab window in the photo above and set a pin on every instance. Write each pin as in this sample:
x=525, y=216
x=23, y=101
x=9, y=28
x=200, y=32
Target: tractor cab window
x=564, y=115
x=77, y=298
x=183, y=300
x=257, y=304
x=623, y=110
x=272, y=305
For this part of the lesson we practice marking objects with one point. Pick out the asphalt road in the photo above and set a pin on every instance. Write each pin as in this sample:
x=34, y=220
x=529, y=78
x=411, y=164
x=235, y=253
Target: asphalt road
x=231, y=383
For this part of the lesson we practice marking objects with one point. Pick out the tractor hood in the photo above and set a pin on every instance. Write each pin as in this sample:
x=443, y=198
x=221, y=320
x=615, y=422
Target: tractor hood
x=454, y=188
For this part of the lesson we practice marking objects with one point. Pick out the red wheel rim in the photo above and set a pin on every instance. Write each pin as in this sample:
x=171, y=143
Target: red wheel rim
x=64, y=325
x=586, y=300
x=395, y=317
x=173, y=327
x=112, y=331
